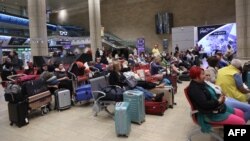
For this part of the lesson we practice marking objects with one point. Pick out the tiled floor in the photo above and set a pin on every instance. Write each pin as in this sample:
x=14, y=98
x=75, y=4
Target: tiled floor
x=79, y=124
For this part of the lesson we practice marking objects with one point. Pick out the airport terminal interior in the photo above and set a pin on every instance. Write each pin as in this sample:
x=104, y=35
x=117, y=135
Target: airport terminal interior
x=121, y=70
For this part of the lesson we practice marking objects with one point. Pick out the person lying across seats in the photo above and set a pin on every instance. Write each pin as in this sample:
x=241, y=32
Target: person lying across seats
x=117, y=78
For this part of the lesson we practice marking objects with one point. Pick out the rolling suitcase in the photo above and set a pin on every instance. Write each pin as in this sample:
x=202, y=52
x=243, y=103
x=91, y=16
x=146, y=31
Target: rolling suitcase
x=122, y=119
x=41, y=100
x=137, y=107
x=83, y=93
x=155, y=108
x=18, y=113
x=62, y=99
x=168, y=94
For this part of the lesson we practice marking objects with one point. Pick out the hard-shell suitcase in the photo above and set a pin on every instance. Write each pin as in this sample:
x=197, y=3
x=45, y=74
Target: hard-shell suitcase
x=83, y=93
x=41, y=100
x=137, y=107
x=168, y=94
x=18, y=113
x=62, y=99
x=122, y=119
x=155, y=108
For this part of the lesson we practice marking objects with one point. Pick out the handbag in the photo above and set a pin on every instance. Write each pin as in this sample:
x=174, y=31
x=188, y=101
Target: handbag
x=131, y=81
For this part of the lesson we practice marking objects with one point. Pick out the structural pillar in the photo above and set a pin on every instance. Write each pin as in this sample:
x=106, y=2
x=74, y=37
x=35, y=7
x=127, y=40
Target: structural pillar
x=95, y=25
x=243, y=28
x=38, y=27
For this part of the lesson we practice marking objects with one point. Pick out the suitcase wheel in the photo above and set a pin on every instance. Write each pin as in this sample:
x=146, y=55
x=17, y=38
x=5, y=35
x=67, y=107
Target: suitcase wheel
x=11, y=123
x=45, y=110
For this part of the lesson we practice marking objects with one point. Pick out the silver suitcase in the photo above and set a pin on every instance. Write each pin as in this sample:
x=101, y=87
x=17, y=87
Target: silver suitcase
x=168, y=94
x=62, y=99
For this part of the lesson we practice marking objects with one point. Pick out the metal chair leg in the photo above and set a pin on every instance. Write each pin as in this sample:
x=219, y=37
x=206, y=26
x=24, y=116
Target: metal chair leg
x=216, y=136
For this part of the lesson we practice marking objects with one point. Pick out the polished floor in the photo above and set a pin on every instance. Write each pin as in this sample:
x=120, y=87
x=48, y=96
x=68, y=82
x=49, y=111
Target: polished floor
x=79, y=124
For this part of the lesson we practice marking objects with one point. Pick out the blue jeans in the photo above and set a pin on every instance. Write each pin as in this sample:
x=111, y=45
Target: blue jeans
x=245, y=107
x=147, y=94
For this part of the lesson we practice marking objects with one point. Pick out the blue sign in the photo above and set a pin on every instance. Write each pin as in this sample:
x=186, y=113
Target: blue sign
x=140, y=43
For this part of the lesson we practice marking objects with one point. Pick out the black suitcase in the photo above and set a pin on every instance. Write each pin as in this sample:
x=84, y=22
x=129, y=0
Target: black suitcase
x=34, y=87
x=18, y=113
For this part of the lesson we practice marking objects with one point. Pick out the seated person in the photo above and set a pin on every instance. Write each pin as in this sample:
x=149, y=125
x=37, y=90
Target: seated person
x=230, y=80
x=31, y=70
x=211, y=107
x=229, y=101
x=98, y=64
x=64, y=81
x=116, y=78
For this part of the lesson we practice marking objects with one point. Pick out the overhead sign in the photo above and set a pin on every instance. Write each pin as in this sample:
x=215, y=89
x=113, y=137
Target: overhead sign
x=63, y=33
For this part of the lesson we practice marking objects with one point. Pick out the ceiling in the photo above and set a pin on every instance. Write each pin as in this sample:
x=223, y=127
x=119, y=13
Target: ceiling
x=53, y=5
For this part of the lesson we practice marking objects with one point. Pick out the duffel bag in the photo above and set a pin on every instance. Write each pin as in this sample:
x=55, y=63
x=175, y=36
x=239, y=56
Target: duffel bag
x=13, y=93
x=33, y=87
x=113, y=93
x=155, y=108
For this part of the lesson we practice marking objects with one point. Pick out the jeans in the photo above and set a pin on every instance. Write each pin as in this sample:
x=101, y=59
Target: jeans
x=245, y=107
x=147, y=94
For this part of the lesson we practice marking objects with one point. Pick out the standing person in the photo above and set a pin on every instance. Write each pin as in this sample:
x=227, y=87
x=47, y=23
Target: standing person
x=176, y=48
x=135, y=51
x=229, y=53
x=97, y=53
x=156, y=51
x=14, y=59
x=212, y=108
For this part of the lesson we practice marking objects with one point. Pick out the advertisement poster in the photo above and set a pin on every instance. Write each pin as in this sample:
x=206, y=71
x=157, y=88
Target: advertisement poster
x=217, y=37
x=140, y=45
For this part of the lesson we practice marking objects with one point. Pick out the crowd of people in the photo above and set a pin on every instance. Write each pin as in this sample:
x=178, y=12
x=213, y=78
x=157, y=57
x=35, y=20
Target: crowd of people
x=217, y=91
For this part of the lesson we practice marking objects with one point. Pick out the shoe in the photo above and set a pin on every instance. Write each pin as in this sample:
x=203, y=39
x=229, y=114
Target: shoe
x=158, y=97
x=179, y=81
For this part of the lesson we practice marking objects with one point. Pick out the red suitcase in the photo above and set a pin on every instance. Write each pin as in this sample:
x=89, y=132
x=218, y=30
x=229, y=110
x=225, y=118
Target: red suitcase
x=155, y=108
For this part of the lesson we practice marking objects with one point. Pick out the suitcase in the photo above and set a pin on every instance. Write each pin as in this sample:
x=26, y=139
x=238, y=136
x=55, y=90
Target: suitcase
x=137, y=107
x=155, y=108
x=18, y=113
x=122, y=119
x=41, y=100
x=62, y=99
x=168, y=94
x=83, y=93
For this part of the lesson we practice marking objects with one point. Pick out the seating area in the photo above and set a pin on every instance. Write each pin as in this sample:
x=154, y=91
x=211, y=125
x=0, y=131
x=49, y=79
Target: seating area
x=78, y=123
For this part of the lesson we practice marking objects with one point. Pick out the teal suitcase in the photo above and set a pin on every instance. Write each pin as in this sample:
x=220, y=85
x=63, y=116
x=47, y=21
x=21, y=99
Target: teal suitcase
x=122, y=119
x=137, y=107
